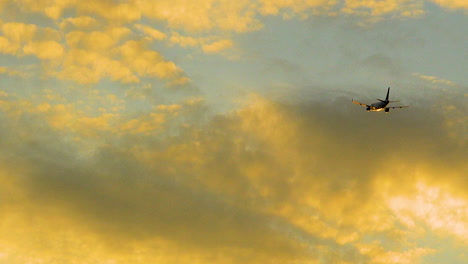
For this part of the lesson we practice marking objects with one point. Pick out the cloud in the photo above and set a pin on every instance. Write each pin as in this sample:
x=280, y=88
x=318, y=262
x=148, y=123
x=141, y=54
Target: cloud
x=210, y=45
x=380, y=8
x=454, y=4
x=19, y=32
x=270, y=181
x=217, y=46
x=10, y=72
x=44, y=49
x=297, y=6
x=184, y=41
x=146, y=62
x=379, y=256
x=7, y=47
x=98, y=41
x=153, y=33
x=169, y=108
x=434, y=207
x=15, y=35
x=204, y=15
x=81, y=22
x=92, y=56
x=87, y=67
x=166, y=181
x=433, y=79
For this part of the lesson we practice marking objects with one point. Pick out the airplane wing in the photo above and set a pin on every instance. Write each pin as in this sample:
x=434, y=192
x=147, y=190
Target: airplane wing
x=360, y=103
x=395, y=107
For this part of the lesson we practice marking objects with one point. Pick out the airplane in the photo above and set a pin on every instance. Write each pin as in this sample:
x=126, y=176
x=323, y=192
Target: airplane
x=382, y=105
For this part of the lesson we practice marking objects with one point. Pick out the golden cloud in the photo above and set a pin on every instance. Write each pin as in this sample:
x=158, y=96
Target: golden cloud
x=454, y=4
x=153, y=33
x=169, y=108
x=267, y=182
x=19, y=32
x=44, y=50
x=146, y=62
x=85, y=67
x=217, y=46
x=81, y=22
x=8, y=47
x=434, y=79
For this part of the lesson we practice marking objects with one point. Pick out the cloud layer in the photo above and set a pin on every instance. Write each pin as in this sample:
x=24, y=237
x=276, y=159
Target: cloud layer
x=300, y=183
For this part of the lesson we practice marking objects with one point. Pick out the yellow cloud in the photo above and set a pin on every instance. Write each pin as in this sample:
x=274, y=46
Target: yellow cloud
x=153, y=33
x=217, y=46
x=269, y=182
x=27, y=39
x=297, y=6
x=90, y=67
x=90, y=41
x=435, y=207
x=185, y=41
x=44, y=49
x=122, y=12
x=146, y=62
x=144, y=124
x=8, y=47
x=19, y=32
x=169, y=108
x=378, y=9
x=379, y=255
x=81, y=22
x=433, y=79
x=454, y=4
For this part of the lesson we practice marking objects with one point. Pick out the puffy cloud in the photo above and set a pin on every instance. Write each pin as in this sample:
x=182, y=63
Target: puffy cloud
x=236, y=16
x=8, y=47
x=84, y=66
x=90, y=41
x=28, y=39
x=146, y=62
x=435, y=207
x=100, y=54
x=44, y=49
x=19, y=32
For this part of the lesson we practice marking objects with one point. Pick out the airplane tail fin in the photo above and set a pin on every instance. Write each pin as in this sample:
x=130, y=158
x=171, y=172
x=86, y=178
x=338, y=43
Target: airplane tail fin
x=388, y=93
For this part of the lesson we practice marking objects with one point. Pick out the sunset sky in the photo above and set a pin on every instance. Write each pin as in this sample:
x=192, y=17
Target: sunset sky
x=222, y=131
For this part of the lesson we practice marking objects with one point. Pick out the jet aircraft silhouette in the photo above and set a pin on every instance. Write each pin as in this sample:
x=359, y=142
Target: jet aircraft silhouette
x=381, y=105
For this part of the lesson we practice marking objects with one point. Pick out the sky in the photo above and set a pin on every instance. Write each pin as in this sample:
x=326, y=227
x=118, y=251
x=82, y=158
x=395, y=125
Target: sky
x=219, y=131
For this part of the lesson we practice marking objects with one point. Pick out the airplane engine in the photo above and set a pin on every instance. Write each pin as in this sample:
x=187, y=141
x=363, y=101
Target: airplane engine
x=368, y=109
x=387, y=110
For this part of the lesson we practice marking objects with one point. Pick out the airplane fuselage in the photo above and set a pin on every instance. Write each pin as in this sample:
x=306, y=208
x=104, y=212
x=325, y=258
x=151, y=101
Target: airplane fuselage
x=379, y=106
